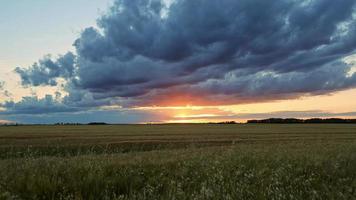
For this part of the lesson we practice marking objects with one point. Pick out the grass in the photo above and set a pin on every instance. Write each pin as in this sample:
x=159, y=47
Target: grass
x=178, y=162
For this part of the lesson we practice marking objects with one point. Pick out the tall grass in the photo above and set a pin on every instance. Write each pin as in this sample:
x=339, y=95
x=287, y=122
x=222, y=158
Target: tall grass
x=322, y=170
x=178, y=162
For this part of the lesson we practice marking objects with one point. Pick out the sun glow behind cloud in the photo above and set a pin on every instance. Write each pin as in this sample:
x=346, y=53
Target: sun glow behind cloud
x=305, y=107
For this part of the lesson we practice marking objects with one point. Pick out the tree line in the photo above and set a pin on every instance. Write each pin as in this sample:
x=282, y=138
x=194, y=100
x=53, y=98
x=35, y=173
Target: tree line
x=302, y=121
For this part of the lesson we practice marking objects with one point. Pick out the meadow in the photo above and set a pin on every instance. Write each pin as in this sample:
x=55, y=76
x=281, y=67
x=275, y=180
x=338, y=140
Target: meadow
x=187, y=161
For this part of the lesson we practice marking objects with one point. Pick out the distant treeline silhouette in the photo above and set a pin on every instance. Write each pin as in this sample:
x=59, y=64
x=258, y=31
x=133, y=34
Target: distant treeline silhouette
x=97, y=123
x=10, y=124
x=90, y=123
x=302, y=121
x=227, y=122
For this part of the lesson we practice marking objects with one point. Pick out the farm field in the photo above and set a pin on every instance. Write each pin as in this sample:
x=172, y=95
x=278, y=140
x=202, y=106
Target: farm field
x=186, y=161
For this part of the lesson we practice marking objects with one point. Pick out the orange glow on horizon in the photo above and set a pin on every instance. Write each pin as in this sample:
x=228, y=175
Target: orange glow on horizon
x=339, y=102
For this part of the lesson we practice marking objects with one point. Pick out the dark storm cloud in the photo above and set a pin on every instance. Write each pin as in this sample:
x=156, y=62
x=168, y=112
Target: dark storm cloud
x=228, y=50
x=108, y=116
x=331, y=77
x=35, y=105
x=46, y=70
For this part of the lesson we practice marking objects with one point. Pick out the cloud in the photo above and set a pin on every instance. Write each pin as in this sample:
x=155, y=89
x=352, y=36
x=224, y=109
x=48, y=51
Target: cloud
x=3, y=91
x=159, y=115
x=34, y=105
x=53, y=109
x=108, y=116
x=146, y=52
x=270, y=85
x=46, y=70
x=2, y=122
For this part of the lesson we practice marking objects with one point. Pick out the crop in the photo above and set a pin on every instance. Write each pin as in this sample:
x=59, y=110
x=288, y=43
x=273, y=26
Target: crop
x=178, y=162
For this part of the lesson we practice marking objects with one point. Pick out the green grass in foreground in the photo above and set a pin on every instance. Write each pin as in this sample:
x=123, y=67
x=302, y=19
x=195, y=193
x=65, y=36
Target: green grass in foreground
x=179, y=162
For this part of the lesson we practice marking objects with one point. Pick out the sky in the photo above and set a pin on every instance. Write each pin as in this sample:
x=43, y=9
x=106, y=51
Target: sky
x=159, y=61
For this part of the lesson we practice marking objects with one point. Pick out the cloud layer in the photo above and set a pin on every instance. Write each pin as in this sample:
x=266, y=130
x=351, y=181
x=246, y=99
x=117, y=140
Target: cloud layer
x=46, y=71
x=148, y=52
x=35, y=105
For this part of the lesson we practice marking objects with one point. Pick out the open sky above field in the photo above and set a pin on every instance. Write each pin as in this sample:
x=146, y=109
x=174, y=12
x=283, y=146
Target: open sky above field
x=137, y=61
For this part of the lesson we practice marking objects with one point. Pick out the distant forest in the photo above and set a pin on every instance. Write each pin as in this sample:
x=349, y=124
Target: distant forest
x=302, y=121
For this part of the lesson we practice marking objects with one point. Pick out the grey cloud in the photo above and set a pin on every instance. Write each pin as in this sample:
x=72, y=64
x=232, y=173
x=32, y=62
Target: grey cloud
x=34, y=105
x=242, y=86
x=331, y=77
x=3, y=91
x=46, y=70
x=7, y=93
x=228, y=51
x=2, y=84
x=121, y=117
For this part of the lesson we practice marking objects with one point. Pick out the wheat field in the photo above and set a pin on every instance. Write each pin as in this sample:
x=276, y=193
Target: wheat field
x=186, y=161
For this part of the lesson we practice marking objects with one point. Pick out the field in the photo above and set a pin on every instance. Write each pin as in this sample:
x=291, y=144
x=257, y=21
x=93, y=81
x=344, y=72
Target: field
x=192, y=161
